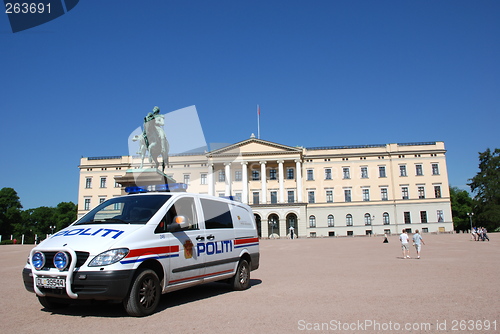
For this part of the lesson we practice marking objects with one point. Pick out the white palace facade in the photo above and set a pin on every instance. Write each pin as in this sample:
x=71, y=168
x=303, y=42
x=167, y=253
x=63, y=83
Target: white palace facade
x=319, y=191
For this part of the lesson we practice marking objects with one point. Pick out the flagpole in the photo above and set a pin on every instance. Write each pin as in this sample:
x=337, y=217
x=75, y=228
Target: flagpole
x=258, y=121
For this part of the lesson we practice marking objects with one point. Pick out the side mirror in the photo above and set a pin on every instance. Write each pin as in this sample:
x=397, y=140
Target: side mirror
x=179, y=223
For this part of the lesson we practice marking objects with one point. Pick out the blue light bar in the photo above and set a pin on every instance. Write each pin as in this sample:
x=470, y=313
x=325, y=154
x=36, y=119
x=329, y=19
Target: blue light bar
x=168, y=187
x=171, y=187
x=136, y=190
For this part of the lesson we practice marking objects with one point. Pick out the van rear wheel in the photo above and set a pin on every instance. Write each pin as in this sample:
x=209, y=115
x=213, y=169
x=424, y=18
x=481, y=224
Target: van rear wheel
x=144, y=294
x=241, y=280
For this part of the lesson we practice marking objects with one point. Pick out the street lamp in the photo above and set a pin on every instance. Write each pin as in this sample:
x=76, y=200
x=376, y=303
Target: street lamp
x=52, y=229
x=470, y=214
x=272, y=222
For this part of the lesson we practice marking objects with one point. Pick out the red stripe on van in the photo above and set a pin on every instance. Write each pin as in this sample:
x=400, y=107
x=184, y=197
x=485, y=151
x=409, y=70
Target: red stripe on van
x=153, y=250
x=245, y=241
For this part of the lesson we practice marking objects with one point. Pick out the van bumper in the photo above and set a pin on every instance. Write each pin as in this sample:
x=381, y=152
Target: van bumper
x=98, y=285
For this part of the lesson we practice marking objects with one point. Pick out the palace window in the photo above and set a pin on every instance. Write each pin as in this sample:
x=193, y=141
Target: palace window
x=310, y=175
x=383, y=194
x=88, y=183
x=423, y=217
x=255, y=197
x=86, y=204
x=291, y=196
x=103, y=182
x=347, y=195
x=407, y=217
x=440, y=216
x=328, y=173
x=330, y=221
x=255, y=175
x=274, y=197
x=272, y=174
x=346, y=173
x=418, y=170
x=421, y=192
x=310, y=196
x=329, y=196
x=364, y=172
x=348, y=220
x=368, y=219
x=385, y=218
x=381, y=171
x=435, y=169
x=312, y=221
x=402, y=170
x=366, y=195
x=404, y=192
x=437, y=191
x=290, y=175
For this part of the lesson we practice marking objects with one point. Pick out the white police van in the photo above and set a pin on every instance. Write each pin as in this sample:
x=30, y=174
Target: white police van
x=133, y=248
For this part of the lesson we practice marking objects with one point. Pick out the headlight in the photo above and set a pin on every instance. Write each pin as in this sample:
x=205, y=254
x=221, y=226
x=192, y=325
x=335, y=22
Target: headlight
x=61, y=260
x=108, y=257
x=38, y=260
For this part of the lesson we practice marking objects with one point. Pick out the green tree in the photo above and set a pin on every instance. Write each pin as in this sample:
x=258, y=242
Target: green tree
x=10, y=211
x=65, y=213
x=461, y=204
x=38, y=221
x=486, y=189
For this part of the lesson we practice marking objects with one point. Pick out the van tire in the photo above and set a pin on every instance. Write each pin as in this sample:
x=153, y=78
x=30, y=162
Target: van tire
x=241, y=280
x=51, y=303
x=144, y=295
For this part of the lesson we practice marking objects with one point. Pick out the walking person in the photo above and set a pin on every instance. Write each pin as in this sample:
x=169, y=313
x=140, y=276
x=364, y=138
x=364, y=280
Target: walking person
x=403, y=237
x=417, y=242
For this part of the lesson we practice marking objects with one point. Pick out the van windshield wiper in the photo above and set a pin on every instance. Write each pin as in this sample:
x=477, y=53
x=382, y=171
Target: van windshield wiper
x=105, y=221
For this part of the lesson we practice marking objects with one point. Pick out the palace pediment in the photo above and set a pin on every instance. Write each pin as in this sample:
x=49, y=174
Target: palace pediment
x=255, y=147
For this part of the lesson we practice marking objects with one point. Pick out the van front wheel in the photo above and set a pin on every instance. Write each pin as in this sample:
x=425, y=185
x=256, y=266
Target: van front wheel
x=241, y=280
x=144, y=294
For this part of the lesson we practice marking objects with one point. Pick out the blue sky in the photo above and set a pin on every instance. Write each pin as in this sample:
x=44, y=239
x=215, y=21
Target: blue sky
x=324, y=72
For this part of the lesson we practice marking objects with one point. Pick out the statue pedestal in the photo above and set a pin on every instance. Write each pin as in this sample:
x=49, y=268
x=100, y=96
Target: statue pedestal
x=143, y=177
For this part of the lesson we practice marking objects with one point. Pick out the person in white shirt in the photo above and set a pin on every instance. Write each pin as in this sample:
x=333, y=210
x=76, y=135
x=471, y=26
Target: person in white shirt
x=403, y=237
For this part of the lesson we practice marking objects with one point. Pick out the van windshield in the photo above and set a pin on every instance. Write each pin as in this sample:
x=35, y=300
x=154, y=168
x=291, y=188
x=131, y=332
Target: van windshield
x=125, y=210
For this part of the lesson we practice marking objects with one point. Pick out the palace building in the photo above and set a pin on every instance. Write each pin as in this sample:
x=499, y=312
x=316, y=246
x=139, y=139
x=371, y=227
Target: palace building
x=319, y=191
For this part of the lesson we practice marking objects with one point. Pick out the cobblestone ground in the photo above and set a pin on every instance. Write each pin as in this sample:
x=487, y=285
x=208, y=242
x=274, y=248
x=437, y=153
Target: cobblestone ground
x=336, y=285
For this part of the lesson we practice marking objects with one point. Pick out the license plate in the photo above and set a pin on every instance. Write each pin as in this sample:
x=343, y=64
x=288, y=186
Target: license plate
x=51, y=283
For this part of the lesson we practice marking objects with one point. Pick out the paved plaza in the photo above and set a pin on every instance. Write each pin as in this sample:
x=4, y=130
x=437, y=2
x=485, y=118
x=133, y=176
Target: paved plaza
x=323, y=285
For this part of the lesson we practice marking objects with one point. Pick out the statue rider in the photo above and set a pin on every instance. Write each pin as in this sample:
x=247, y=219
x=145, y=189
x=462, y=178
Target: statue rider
x=149, y=117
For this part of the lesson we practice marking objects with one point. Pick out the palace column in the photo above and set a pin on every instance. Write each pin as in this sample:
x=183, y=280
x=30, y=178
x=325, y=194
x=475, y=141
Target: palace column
x=210, y=176
x=281, y=181
x=244, y=177
x=227, y=172
x=264, y=180
x=298, y=172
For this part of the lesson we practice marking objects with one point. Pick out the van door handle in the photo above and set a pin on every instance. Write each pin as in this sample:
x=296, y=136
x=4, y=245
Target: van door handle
x=199, y=238
x=211, y=237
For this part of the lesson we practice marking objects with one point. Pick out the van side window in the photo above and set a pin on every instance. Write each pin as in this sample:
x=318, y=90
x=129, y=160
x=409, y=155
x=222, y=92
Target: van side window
x=217, y=214
x=182, y=207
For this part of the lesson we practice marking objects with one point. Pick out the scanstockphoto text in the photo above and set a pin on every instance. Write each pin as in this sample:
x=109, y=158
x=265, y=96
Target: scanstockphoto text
x=369, y=325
